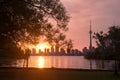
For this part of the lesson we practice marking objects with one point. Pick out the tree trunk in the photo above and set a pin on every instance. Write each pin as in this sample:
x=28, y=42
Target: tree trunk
x=90, y=64
x=116, y=69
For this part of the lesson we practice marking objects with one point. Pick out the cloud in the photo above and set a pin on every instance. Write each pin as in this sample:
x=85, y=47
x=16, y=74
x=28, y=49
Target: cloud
x=103, y=13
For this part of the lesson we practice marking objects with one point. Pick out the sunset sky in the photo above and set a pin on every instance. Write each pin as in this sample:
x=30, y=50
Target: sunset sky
x=102, y=13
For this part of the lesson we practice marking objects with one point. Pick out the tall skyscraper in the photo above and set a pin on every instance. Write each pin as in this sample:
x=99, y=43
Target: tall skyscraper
x=56, y=49
x=33, y=51
x=52, y=49
x=90, y=46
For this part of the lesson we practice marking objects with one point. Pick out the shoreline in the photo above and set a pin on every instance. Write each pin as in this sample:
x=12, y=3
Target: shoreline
x=53, y=68
x=15, y=73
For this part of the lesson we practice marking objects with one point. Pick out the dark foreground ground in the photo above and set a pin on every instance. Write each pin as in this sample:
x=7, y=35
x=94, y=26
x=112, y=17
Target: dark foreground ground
x=54, y=74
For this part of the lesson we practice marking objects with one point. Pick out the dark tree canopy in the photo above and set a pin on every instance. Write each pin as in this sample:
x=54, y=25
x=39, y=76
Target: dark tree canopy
x=27, y=20
x=108, y=44
x=114, y=37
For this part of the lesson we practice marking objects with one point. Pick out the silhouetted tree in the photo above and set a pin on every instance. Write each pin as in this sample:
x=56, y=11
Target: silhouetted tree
x=24, y=21
x=108, y=45
x=58, y=40
x=101, y=39
x=114, y=36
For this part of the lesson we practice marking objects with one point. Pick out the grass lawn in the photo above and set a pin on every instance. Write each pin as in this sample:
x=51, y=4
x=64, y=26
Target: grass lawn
x=54, y=74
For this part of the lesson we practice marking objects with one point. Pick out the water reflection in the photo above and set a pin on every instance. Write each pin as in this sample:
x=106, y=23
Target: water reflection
x=76, y=62
x=59, y=62
x=41, y=62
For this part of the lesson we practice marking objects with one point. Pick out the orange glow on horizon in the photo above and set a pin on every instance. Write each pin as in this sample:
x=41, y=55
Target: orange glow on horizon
x=39, y=46
x=42, y=46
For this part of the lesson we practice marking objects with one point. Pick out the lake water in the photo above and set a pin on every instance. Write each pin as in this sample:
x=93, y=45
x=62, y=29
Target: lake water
x=75, y=62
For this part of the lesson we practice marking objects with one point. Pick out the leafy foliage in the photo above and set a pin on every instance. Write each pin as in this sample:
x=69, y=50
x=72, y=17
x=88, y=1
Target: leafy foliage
x=25, y=21
x=108, y=44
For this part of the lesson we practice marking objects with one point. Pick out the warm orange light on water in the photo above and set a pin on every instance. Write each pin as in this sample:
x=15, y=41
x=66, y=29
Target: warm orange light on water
x=41, y=62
